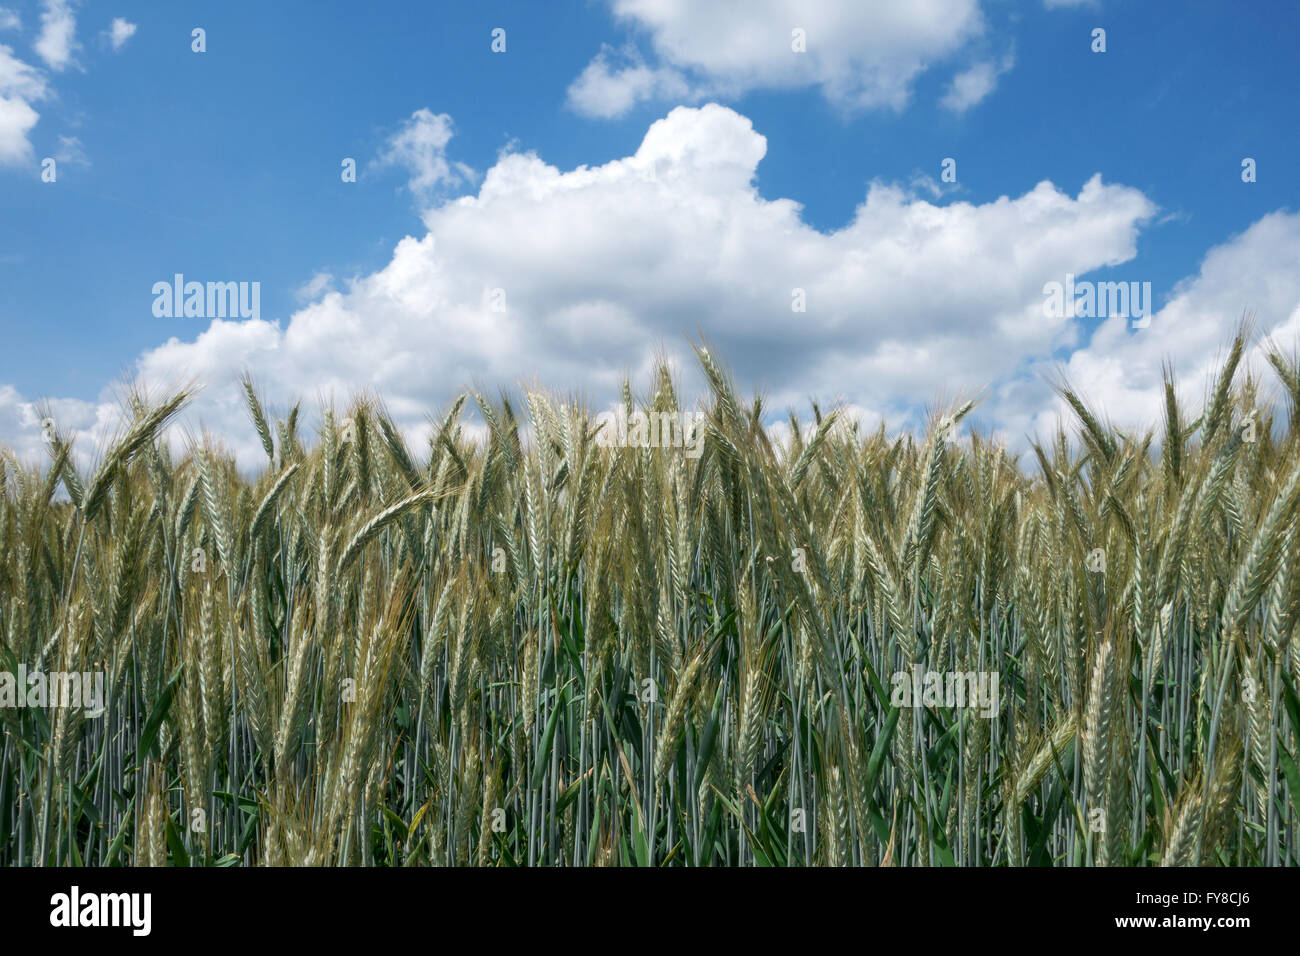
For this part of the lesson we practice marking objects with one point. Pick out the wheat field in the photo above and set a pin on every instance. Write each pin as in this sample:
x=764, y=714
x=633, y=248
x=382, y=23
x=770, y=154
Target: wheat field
x=534, y=649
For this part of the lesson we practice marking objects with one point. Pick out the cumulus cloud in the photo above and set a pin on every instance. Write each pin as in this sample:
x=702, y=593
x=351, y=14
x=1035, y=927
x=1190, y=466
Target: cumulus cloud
x=22, y=421
x=9, y=19
x=576, y=278
x=57, y=41
x=860, y=55
x=1256, y=273
x=419, y=146
x=119, y=32
x=20, y=86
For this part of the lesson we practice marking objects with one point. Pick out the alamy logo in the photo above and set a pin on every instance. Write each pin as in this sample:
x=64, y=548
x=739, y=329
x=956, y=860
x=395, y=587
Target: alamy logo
x=53, y=689
x=1095, y=300
x=683, y=430
x=922, y=688
x=214, y=300
x=103, y=909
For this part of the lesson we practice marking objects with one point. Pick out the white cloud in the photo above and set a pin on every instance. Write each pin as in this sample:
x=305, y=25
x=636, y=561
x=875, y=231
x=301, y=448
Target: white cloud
x=57, y=41
x=971, y=86
x=315, y=287
x=603, y=267
x=18, y=78
x=860, y=55
x=615, y=81
x=20, y=86
x=1256, y=272
x=21, y=422
x=119, y=32
x=16, y=120
x=420, y=146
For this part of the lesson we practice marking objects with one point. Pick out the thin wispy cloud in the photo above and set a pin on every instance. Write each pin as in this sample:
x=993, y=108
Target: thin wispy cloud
x=974, y=85
x=119, y=32
x=57, y=42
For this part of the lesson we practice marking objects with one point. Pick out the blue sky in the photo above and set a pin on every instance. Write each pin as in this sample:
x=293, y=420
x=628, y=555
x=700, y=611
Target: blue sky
x=225, y=165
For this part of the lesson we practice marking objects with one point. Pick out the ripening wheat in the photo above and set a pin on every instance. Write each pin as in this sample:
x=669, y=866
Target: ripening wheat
x=510, y=652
